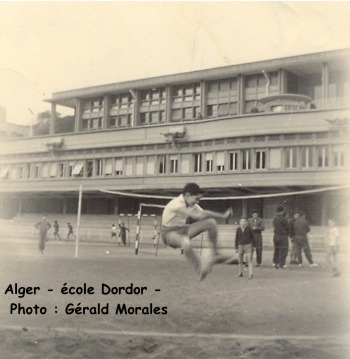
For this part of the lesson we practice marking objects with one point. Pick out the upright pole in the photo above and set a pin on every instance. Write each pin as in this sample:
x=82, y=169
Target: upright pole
x=128, y=216
x=138, y=229
x=78, y=221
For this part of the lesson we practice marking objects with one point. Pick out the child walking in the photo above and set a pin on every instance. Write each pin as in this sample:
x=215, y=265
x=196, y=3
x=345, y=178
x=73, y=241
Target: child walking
x=333, y=247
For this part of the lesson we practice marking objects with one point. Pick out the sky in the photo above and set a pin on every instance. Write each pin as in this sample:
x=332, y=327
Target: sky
x=47, y=47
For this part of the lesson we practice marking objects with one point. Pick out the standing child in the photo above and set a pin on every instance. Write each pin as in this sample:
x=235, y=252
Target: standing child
x=70, y=230
x=333, y=247
x=114, y=233
x=244, y=246
x=56, y=235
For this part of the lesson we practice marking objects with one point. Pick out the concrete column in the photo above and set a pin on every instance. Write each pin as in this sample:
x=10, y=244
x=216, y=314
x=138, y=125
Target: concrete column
x=203, y=108
x=64, y=206
x=240, y=100
x=325, y=82
x=52, y=119
x=20, y=206
x=244, y=207
x=136, y=109
x=116, y=206
x=168, y=101
x=324, y=203
x=106, y=107
x=78, y=115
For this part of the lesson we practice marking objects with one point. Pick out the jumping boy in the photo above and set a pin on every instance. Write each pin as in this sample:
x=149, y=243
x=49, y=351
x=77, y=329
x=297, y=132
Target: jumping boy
x=177, y=233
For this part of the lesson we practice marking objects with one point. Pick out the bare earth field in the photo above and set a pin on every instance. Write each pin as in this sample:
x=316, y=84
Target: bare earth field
x=291, y=313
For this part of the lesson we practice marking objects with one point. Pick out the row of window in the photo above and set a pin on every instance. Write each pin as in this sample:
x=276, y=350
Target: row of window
x=288, y=158
x=222, y=98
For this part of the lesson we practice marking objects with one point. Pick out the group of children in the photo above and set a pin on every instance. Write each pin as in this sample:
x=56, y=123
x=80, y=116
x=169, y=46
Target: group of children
x=122, y=233
x=177, y=233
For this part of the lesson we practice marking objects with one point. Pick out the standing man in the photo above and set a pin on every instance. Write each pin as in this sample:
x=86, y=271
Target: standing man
x=176, y=233
x=122, y=233
x=293, y=250
x=257, y=226
x=243, y=244
x=43, y=226
x=301, y=229
x=280, y=238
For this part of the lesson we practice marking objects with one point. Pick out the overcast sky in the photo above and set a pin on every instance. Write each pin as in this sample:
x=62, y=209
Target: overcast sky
x=47, y=47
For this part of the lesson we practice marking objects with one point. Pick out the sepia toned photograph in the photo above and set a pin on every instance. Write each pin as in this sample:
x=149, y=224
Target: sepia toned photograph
x=174, y=180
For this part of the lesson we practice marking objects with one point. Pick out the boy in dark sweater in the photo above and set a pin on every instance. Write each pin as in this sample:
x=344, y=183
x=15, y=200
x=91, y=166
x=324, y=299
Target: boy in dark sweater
x=244, y=246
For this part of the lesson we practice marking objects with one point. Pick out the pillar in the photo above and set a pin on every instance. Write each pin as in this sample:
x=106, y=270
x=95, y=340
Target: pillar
x=116, y=206
x=52, y=119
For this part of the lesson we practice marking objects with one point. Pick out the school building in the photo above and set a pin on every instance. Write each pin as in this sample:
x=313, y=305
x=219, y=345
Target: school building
x=254, y=135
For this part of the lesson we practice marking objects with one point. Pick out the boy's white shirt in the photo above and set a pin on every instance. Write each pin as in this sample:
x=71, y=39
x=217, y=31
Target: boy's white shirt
x=171, y=216
x=334, y=237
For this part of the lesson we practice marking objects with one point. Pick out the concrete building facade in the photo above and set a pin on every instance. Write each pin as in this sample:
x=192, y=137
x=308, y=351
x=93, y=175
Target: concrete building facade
x=255, y=135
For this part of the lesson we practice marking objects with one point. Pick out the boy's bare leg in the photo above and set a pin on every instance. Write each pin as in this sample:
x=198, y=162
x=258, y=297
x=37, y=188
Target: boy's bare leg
x=209, y=225
x=177, y=240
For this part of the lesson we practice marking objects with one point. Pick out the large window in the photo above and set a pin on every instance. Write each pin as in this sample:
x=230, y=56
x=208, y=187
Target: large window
x=197, y=162
x=209, y=162
x=257, y=86
x=322, y=156
x=260, y=159
x=338, y=156
x=152, y=108
x=306, y=156
x=233, y=166
x=186, y=102
x=118, y=167
x=162, y=164
x=121, y=110
x=246, y=160
x=222, y=97
x=173, y=164
x=93, y=110
x=290, y=157
x=220, y=161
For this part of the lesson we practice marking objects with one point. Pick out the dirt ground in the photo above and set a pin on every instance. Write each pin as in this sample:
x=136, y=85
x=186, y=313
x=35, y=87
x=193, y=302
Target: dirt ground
x=291, y=313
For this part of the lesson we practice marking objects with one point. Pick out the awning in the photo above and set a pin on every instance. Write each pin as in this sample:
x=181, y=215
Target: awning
x=4, y=171
x=77, y=168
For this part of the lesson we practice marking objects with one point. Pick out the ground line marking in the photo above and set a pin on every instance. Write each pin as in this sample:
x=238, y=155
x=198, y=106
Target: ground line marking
x=177, y=335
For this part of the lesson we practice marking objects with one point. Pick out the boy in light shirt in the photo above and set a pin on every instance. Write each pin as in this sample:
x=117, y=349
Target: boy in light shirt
x=333, y=247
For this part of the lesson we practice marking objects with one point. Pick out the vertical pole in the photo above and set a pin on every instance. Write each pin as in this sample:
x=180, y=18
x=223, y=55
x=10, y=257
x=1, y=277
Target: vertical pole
x=128, y=216
x=78, y=221
x=138, y=229
x=155, y=231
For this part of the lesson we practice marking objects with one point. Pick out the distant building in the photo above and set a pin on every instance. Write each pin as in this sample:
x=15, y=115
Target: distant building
x=11, y=130
x=253, y=132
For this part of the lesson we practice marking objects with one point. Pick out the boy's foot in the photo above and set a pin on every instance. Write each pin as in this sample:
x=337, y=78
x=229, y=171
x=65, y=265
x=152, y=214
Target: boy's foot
x=258, y=265
x=313, y=265
x=300, y=264
x=240, y=275
x=205, y=267
x=250, y=277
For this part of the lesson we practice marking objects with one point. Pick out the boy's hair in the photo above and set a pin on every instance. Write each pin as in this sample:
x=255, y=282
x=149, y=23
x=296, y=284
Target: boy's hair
x=193, y=189
x=244, y=217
